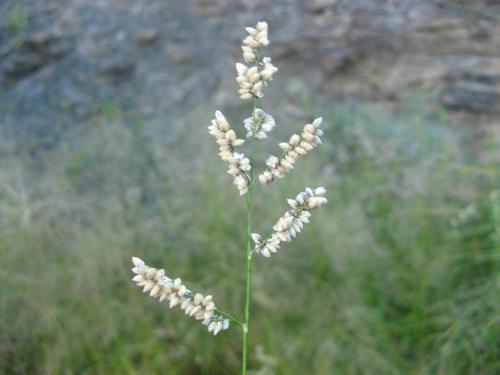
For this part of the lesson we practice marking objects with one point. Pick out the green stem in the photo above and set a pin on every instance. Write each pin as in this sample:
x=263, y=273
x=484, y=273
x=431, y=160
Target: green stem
x=246, y=325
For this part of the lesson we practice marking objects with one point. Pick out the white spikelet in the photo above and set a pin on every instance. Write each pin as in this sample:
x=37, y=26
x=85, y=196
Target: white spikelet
x=296, y=146
x=259, y=124
x=253, y=78
x=238, y=164
x=292, y=221
x=175, y=293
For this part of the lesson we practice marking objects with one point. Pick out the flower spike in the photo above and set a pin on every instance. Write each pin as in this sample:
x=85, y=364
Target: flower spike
x=259, y=124
x=297, y=145
x=175, y=292
x=238, y=164
x=292, y=221
x=253, y=78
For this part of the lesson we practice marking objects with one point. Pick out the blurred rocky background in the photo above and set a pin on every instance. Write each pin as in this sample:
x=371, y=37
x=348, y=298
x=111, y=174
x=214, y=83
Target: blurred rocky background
x=64, y=61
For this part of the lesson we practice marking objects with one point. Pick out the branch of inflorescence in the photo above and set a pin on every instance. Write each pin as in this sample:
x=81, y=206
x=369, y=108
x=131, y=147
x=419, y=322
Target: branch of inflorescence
x=230, y=317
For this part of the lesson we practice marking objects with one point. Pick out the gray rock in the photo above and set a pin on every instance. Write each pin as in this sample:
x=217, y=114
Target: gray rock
x=471, y=100
x=320, y=5
x=160, y=59
x=35, y=51
x=147, y=36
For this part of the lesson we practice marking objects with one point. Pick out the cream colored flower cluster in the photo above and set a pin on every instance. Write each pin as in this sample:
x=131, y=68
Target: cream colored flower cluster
x=256, y=39
x=292, y=222
x=160, y=286
x=252, y=79
x=297, y=145
x=259, y=124
x=226, y=138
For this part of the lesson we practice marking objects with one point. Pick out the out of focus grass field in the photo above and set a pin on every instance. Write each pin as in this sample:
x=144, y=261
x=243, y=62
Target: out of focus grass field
x=398, y=274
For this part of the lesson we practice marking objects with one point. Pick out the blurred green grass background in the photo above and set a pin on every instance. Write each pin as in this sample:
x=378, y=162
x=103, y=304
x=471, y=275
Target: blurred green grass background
x=399, y=274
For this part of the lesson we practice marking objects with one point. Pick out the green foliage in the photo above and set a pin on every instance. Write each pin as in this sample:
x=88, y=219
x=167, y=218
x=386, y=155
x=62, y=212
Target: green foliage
x=18, y=20
x=109, y=109
x=17, y=23
x=398, y=274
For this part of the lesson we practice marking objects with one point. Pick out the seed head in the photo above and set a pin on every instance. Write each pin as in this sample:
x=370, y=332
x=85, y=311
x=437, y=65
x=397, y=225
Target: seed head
x=238, y=164
x=292, y=221
x=297, y=145
x=259, y=124
x=253, y=78
x=175, y=292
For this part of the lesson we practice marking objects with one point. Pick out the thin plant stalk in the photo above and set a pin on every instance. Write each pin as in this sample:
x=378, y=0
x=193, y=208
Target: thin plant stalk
x=246, y=325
